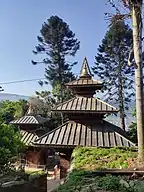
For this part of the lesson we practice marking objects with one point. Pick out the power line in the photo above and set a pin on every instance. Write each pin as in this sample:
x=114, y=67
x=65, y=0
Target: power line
x=20, y=81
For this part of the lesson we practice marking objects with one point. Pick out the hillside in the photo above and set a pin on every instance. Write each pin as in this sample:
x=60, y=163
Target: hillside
x=12, y=97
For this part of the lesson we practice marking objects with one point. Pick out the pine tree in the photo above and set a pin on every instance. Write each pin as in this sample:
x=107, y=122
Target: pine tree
x=112, y=66
x=57, y=42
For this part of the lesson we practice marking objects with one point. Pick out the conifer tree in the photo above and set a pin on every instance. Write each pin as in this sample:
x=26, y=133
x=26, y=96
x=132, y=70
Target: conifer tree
x=58, y=43
x=111, y=66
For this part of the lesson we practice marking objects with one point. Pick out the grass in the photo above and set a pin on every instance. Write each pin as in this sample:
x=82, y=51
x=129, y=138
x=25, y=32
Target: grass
x=40, y=172
x=89, y=158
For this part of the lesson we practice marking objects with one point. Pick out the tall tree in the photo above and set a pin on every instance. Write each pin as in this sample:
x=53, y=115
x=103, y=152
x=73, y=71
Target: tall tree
x=133, y=10
x=111, y=66
x=57, y=42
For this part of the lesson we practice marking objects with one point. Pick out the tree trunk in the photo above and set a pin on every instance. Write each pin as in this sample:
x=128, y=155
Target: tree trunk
x=121, y=104
x=61, y=87
x=137, y=45
x=61, y=92
x=122, y=120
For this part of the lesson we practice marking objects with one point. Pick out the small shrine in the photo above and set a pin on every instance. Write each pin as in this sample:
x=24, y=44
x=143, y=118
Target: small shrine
x=86, y=125
x=31, y=128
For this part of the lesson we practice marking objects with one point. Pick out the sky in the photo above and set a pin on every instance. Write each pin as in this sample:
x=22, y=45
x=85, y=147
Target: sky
x=21, y=22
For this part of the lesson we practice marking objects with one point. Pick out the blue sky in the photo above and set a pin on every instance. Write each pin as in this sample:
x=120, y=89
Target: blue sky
x=21, y=22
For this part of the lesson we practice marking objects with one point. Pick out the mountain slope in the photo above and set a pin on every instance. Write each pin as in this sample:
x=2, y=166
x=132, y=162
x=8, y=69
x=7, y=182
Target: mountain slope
x=12, y=97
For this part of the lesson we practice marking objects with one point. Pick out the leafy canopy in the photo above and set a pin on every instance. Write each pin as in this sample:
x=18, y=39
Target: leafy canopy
x=9, y=110
x=10, y=146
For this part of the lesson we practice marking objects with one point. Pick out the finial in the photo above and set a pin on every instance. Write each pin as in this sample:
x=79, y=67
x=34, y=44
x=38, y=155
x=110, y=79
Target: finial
x=85, y=71
x=30, y=110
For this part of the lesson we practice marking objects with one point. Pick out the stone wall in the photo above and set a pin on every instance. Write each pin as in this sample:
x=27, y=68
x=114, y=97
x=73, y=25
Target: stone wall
x=37, y=185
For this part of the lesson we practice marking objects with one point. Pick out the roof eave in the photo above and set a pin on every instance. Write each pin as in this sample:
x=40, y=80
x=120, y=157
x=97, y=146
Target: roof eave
x=83, y=111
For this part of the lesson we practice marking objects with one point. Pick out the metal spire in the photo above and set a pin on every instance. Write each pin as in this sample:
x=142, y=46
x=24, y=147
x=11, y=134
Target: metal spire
x=85, y=71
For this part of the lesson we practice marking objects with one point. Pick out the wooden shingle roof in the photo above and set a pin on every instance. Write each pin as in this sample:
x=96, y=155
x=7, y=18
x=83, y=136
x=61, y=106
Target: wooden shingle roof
x=28, y=137
x=72, y=134
x=85, y=104
x=29, y=119
x=85, y=82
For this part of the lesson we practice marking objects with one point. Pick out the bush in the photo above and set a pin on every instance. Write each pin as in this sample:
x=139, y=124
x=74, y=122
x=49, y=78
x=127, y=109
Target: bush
x=100, y=158
x=82, y=182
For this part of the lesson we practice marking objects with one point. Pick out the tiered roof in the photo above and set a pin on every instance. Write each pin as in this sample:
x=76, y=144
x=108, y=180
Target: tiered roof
x=85, y=129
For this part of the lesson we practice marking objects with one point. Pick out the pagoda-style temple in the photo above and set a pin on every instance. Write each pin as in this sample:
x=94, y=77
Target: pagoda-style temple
x=86, y=125
x=31, y=128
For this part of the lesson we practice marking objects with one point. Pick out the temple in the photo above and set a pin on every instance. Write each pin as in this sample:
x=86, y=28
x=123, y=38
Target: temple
x=86, y=125
x=31, y=127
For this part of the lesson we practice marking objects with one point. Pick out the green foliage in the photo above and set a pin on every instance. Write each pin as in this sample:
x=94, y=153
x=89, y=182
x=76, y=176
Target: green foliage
x=35, y=175
x=86, y=182
x=132, y=130
x=9, y=110
x=58, y=43
x=10, y=146
x=42, y=104
x=100, y=158
x=67, y=93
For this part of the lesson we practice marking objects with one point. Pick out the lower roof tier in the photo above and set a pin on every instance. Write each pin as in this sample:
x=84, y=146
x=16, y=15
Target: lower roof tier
x=85, y=104
x=72, y=134
x=30, y=119
x=28, y=137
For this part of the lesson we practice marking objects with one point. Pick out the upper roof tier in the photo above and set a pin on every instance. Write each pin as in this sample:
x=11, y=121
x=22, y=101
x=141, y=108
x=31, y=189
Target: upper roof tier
x=85, y=85
x=81, y=104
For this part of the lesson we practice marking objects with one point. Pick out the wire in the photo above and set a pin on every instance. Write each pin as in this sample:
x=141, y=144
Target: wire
x=21, y=81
